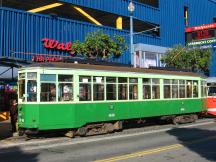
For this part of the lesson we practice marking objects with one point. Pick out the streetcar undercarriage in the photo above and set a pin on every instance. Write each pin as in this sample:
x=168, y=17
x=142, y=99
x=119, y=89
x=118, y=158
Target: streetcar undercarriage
x=110, y=127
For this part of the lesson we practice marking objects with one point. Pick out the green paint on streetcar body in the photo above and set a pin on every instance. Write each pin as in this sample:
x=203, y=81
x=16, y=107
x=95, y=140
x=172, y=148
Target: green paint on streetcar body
x=60, y=116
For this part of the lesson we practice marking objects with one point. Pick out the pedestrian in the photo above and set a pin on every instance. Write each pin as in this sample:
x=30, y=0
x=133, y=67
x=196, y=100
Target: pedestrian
x=13, y=115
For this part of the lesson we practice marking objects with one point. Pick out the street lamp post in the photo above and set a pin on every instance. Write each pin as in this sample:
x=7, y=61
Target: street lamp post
x=131, y=9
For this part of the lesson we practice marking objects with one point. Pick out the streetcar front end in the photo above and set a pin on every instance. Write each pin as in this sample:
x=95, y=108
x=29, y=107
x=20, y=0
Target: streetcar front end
x=27, y=103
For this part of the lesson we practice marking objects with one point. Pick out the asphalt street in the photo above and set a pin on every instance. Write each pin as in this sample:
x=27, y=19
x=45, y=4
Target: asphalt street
x=186, y=143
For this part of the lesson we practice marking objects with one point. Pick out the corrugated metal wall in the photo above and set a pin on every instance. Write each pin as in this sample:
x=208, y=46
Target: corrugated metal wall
x=201, y=12
x=120, y=7
x=172, y=21
x=172, y=18
x=23, y=32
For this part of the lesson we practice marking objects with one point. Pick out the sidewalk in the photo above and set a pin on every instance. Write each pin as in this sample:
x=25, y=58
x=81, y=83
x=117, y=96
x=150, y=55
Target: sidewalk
x=5, y=130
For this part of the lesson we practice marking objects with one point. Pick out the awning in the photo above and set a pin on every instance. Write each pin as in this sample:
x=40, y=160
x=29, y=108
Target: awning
x=9, y=66
x=13, y=62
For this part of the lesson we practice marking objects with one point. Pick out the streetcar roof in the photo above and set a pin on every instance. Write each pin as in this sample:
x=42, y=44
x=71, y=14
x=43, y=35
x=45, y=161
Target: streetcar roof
x=63, y=65
x=211, y=80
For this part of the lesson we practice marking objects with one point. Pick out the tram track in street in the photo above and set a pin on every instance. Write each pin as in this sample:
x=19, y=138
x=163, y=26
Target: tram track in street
x=41, y=143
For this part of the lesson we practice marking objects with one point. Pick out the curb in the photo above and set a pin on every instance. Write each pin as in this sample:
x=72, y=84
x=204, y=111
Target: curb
x=10, y=144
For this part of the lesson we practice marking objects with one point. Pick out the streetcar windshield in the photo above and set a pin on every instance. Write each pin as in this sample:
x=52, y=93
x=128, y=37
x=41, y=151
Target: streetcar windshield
x=212, y=91
x=27, y=87
x=31, y=87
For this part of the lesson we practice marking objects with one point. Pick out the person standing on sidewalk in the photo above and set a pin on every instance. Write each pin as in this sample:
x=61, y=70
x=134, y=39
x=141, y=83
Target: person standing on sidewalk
x=14, y=115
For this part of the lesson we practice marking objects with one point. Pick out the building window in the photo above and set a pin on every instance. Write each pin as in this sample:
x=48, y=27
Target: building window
x=98, y=88
x=150, y=59
x=65, y=87
x=111, y=88
x=153, y=3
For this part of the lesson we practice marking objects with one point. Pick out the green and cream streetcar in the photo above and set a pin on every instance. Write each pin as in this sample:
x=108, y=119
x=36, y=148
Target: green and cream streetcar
x=86, y=99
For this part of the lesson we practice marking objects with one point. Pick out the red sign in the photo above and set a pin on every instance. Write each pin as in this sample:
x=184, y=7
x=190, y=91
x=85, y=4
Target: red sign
x=203, y=34
x=46, y=59
x=202, y=27
x=54, y=44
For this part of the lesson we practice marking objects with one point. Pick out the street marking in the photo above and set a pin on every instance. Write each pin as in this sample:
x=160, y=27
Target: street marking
x=153, y=151
x=87, y=140
x=141, y=153
x=198, y=124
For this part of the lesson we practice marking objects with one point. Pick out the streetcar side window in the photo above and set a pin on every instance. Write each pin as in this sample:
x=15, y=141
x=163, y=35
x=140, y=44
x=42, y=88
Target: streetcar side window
x=111, y=90
x=32, y=91
x=203, y=89
x=189, y=89
x=21, y=86
x=175, y=88
x=167, y=88
x=85, y=88
x=48, y=92
x=182, y=89
x=195, y=88
x=133, y=88
x=155, y=88
x=31, y=87
x=122, y=88
x=98, y=88
x=146, y=88
x=48, y=87
x=65, y=88
x=212, y=91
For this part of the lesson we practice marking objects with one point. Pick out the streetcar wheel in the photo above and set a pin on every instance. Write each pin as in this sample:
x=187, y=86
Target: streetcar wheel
x=176, y=120
x=21, y=132
x=70, y=134
x=109, y=127
x=118, y=125
x=82, y=131
x=195, y=117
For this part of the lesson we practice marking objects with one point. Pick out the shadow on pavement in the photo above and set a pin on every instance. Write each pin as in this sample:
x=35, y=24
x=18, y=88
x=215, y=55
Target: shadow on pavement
x=200, y=141
x=5, y=130
x=15, y=154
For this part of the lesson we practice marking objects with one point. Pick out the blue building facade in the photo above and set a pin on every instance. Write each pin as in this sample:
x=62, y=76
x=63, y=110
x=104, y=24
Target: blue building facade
x=22, y=31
